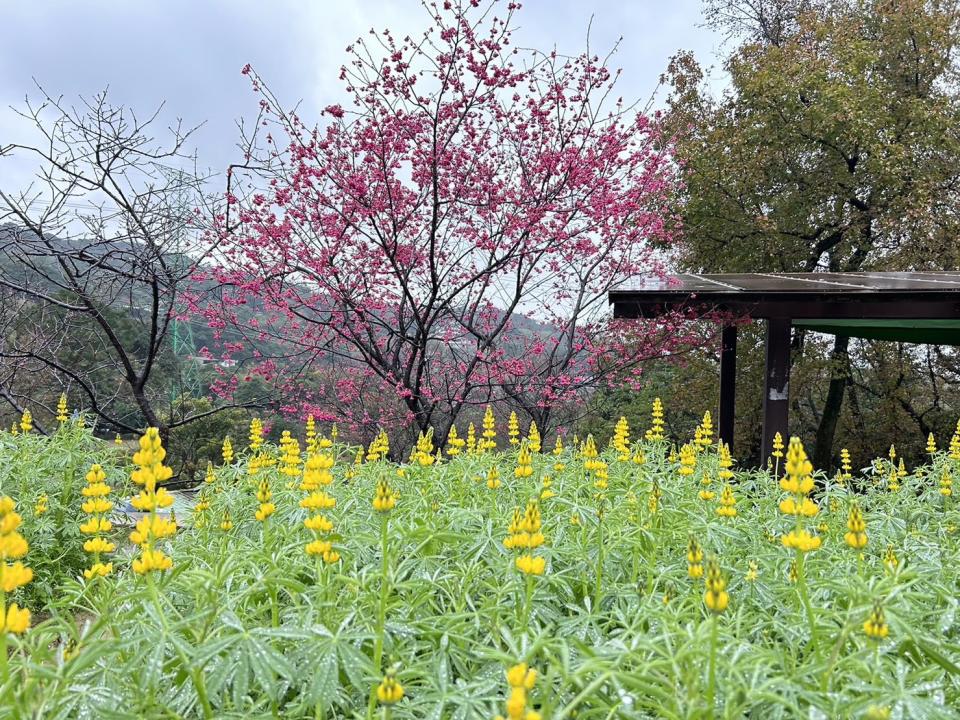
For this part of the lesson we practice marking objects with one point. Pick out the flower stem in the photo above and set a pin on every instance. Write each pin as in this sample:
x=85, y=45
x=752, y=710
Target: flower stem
x=196, y=674
x=712, y=671
x=381, y=610
x=598, y=589
x=4, y=668
x=805, y=599
x=528, y=602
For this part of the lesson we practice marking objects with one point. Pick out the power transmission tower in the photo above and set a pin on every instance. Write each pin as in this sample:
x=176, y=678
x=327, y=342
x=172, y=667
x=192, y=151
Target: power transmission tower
x=189, y=364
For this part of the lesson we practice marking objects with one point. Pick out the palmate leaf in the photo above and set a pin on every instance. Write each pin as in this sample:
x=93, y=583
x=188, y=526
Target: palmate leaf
x=325, y=680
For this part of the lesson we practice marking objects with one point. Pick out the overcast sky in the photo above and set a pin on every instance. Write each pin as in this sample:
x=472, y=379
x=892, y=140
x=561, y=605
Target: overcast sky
x=188, y=53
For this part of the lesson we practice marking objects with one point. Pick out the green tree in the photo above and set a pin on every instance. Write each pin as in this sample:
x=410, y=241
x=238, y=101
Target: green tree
x=834, y=147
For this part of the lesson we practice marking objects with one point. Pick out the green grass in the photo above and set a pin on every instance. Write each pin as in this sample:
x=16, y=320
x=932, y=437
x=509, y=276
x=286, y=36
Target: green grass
x=244, y=625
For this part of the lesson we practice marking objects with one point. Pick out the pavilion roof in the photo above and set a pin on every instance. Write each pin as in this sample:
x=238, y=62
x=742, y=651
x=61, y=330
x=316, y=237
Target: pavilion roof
x=917, y=307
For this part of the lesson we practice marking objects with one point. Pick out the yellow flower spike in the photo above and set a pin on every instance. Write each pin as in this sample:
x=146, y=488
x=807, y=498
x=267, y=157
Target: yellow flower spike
x=423, y=452
x=725, y=461
x=524, y=467
x=151, y=560
x=531, y=564
x=489, y=441
x=26, y=422
x=931, y=444
x=688, y=460
x=14, y=575
x=728, y=503
x=801, y=540
x=520, y=679
x=317, y=500
x=226, y=523
x=455, y=443
x=752, y=571
x=226, y=451
x=150, y=471
x=379, y=448
x=890, y=559
x=471, y=439
x=493, y=478
x=385, y=498
x=99, y=545
x=14, y=619
x=63, y=412
x=534, y=441
x=389, y=691
x=875, y=626
x=256, y=434
x=706, y=431
x=856, y=537
x=98, y=569
x=946, y=483
x=513, y=428
x=777, y=446
x=955, y=444
x=655, y=432
x=98, y=524
x=893, y=482
x=318, y=523
x=715, y=598
x=694, y=559
x=846, y=464
x=621, y=438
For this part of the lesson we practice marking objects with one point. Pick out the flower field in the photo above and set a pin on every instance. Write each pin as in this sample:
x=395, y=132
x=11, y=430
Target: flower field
x=503, y=575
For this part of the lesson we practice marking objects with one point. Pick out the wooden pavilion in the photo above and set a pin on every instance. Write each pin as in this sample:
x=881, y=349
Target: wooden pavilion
x=912, y=307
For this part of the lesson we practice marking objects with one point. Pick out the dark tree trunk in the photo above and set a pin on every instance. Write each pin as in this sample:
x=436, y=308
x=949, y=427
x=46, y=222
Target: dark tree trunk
x=827, y=429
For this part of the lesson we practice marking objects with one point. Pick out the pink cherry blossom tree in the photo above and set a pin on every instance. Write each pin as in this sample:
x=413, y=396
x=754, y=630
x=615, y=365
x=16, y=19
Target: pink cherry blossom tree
x=447, y=237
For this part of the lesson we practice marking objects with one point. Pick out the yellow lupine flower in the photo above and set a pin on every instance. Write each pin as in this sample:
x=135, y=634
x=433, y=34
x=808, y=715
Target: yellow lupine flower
x=801, y=540
x=62, y=409
x=531, y=564
x=149, y=472
x=15, y=620
x=318, y=523
x=715, y=598
x=99, y=545
x=875, y=626
x=14, y=575
x=96, y=525
x=385, y=498
x=389, y=691
x=265, y=510
x=318, y=500
x=150, y=560
x=857, y=526
x=98, y=569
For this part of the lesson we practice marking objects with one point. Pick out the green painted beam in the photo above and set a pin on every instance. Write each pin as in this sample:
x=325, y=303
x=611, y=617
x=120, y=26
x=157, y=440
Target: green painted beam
x=923, y=332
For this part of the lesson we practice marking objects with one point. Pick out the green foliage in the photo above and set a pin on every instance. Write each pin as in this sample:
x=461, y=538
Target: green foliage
x=834, y=144
x=199, y=442
x=33, y=465
x=832, y=147
x=247, y=625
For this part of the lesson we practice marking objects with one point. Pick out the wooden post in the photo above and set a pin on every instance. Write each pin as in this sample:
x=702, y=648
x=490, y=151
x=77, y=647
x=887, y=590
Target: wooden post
x=728, y=383
x=776, y=390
